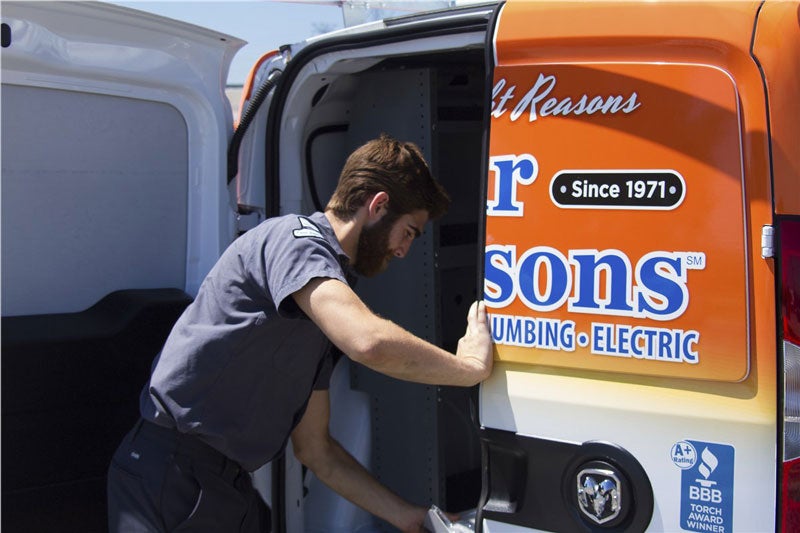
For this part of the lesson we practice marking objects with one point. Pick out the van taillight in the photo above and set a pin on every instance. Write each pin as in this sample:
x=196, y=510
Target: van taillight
x=788, y=252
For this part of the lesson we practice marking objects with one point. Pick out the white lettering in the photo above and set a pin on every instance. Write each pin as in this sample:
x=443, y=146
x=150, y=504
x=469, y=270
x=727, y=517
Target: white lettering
x=498, y=108
x=538, y=102
x=705, y=494
x=533, y=97
x=585, y=189
x=706, y=509
x=700, y=526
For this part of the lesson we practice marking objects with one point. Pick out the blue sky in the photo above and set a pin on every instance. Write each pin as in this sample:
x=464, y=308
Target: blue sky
x=265, y=25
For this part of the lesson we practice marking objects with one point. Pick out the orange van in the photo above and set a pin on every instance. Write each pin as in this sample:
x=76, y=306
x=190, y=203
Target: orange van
x=641, y=263
x=625, y=179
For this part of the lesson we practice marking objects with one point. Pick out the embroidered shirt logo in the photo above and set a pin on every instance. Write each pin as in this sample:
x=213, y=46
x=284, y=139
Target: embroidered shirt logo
x=307, y=229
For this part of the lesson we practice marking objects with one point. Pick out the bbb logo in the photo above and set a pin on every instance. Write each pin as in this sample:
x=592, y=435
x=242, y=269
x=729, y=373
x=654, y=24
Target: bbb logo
x=704, y=492
x=706, y=487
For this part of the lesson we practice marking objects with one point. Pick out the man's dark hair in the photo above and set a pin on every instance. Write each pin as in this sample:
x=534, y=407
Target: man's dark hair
x=399, y=169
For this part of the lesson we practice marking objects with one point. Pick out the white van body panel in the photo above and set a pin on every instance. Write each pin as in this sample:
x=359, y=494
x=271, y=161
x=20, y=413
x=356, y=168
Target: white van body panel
x=556, y=407
x=164, y=78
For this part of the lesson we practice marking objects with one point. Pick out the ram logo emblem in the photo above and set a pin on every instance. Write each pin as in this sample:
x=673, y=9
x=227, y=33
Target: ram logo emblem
x=599, y=494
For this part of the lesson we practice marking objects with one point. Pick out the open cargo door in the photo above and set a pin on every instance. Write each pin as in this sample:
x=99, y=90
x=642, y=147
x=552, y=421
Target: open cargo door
x=114, y=207
x=420, y=78
x=632, y=312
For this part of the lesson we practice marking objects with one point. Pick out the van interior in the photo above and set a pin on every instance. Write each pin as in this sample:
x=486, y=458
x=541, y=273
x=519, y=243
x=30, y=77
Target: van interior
x=421, y=441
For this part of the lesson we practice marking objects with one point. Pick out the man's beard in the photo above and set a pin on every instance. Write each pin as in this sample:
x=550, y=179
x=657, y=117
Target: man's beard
x=373, y=254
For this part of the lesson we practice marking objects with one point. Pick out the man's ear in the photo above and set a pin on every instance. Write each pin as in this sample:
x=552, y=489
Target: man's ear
x=378, y=206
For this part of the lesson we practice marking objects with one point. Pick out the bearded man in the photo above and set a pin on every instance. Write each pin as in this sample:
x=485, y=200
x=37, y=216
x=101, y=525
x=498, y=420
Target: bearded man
x=247, y=365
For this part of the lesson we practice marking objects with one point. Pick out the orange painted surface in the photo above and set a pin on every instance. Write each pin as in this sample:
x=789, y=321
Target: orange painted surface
x=592, y=262
x=777, y=47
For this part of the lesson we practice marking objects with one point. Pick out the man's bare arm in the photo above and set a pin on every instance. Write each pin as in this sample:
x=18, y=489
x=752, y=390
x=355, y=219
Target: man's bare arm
x=315, y=448
x=386, y=347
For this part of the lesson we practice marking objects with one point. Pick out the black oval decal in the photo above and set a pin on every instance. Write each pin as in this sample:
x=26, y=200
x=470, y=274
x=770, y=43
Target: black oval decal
x=618, y=189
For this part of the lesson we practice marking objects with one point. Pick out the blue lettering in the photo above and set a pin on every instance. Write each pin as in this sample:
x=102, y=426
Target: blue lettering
x=623, y=339
x=649, y=349
x=530, y=332
x=499, y=275
x=590, y=281
x=498, y=328
x=510, y=170
x=514, y=334
x=689, y=353
x=616, y=296
x=664, y=342
x=637, y=351
x=661, y=284
x=533, y=332
x=598, y=340
x=559, y=279
x=567, y=336
x=551, y=333
x=658, y=344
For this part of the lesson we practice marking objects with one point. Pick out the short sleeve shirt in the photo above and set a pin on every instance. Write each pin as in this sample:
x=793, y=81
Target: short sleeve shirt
x=240, y=363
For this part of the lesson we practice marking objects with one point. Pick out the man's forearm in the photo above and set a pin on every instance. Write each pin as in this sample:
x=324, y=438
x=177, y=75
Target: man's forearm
x=387, y=348
x=402, y=355
x=342, y=473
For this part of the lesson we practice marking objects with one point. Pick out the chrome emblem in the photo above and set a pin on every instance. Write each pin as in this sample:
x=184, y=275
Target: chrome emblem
x=599, y=494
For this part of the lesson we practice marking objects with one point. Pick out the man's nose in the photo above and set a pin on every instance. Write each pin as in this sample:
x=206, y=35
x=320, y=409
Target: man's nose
x=402, y=250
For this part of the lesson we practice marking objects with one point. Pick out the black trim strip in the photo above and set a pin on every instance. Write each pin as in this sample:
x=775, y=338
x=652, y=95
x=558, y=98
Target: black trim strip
x=531, y=483
x=766, y=102
x=481, y=234
x=278, y=502
x=312, y=184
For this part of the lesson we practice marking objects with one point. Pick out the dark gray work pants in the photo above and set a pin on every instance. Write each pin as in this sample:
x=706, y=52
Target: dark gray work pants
x=161, y=480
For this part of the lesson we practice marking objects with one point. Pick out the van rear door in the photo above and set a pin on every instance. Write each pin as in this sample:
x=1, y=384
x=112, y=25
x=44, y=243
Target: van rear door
x=114, y=207
x=633, y=314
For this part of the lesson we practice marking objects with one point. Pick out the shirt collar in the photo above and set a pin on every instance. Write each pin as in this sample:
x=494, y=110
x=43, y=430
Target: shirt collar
x=322, y=222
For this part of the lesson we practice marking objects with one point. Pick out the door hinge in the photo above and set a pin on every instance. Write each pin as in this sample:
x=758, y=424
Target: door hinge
x=767, y=241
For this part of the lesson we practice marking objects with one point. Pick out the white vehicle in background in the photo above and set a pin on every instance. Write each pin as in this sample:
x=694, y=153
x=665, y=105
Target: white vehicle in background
x=624, y=178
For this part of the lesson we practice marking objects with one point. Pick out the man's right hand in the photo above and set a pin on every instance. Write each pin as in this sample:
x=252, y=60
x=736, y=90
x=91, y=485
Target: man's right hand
x=476, y=344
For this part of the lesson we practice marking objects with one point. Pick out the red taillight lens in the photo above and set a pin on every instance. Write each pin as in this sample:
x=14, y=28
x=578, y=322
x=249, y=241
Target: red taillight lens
x=790, y=492
x=788, y=252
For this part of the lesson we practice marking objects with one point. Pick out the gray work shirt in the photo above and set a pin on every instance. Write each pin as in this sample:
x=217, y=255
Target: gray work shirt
x=240, y=363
